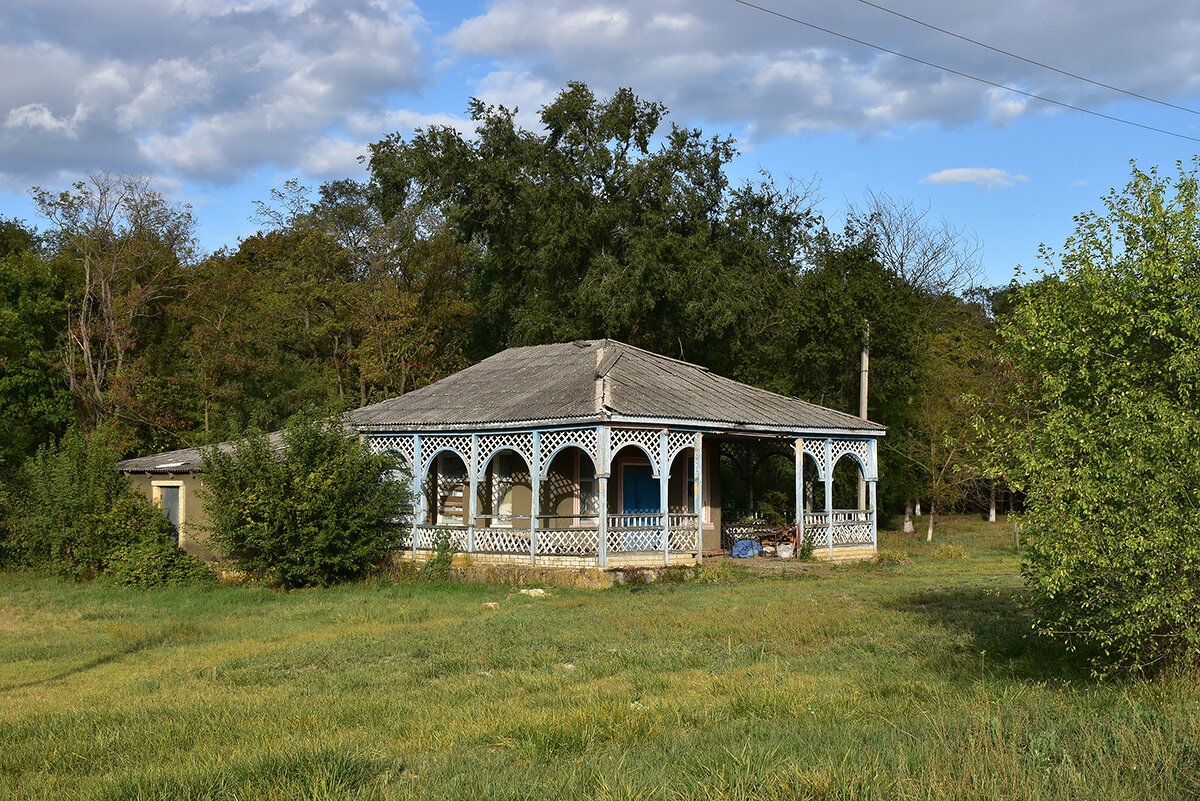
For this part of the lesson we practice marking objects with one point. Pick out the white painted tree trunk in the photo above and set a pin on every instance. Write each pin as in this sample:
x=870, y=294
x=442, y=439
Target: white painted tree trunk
x=992, y=508
x=918, y=511
x=929, y=534
x=908, y=517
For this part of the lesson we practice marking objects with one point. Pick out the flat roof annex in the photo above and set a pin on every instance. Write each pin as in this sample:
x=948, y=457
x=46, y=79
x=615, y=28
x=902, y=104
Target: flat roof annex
x=594, y=381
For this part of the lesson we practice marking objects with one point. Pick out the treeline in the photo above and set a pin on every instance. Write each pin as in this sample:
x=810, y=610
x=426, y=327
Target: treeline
x=608, y=222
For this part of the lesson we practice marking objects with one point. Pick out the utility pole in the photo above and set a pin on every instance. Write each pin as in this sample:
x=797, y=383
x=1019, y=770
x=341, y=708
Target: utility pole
x=863, y=373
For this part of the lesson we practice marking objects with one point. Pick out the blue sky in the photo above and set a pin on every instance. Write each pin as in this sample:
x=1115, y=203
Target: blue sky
x=221, y=101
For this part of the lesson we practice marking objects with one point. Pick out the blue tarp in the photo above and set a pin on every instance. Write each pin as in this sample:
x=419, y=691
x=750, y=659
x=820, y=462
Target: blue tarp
x=744, y=549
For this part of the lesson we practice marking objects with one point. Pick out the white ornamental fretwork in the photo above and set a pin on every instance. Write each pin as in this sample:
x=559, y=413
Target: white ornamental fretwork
x=402, y=445
x=678, y=441
x=645, y=437
x=816, y=449
x=458, y=443
x=851, y=534
x=521, y=442
x=583, y=438
x=857, y=447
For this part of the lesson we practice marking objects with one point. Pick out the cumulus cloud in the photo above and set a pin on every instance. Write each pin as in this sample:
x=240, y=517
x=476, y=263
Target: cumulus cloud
x=986, y=177
x=199, y=89
x=720, y=61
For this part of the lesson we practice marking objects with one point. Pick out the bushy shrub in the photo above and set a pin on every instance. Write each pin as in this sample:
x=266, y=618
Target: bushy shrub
x=312, y=509
x=74, y=515
x=1104, y=427
x=157, y=564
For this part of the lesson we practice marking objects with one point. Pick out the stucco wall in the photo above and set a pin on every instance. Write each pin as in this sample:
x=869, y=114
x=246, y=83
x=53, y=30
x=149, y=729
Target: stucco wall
x=192, y=535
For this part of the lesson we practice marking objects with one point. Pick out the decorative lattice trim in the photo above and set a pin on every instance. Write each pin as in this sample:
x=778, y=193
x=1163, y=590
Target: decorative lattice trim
x=855, y=447
x=567, y=542
x=583, y=438
x=646, y=438
x=521, y=442
x=816, y=449
x=402, y=445
x=678, y=441
x=459, y=444
x=501, y=540
x=851, y=534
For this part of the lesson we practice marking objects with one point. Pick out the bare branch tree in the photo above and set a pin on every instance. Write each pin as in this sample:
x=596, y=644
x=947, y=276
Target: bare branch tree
x=129, y=243
x=930, y=254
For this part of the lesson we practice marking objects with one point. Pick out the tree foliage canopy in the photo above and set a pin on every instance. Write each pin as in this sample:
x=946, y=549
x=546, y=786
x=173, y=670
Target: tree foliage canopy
x=1105, y=426
x=313, y=513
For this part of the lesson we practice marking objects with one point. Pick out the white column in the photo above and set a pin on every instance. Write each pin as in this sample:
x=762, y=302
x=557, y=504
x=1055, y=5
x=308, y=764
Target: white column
x=472, y=502
x=698, y=493
x=419, y=490
x=664, y=475
x=799, y=445
x=535, y=502
x=873, y=473
x=602, y=468
x=829, y=493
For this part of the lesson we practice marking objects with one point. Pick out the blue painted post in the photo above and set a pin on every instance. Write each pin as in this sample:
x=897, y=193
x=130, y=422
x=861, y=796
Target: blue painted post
x=873, y=462
x=664, y=475
x=829, y=493
x=535, y=503
x=602, y=468
x=698, y=493
x=419, y=489
x=473, y=501
x=799, y=445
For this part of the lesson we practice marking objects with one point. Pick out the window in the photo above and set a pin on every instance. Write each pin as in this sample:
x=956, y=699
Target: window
x=589, y=498
x=168, y=496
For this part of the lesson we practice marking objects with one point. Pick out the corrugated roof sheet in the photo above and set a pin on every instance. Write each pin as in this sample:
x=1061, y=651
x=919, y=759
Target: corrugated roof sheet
x=185, y=460
x=591, y=381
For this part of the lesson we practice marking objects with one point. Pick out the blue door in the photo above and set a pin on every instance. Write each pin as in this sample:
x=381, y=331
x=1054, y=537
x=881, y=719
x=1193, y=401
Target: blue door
x=639, y=496
x=639, y=491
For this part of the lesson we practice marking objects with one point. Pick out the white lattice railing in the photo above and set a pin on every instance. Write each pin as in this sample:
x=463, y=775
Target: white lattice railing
x=568, y=535
x=850, y=527
x=501, y=539
x=568, y=541
x=427, y=535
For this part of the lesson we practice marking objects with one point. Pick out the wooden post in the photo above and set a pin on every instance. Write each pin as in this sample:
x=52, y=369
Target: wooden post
x=873, y=471
x=535, y=502
x=602, y=468
x=664, y=476
x=698, y=493
x=473, y=501
x=864, y=374
x=829, y=493
x=419, y=489
x=799, y=529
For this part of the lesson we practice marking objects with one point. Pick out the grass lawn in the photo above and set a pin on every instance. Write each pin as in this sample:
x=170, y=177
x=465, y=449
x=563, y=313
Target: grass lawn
x=904, y=681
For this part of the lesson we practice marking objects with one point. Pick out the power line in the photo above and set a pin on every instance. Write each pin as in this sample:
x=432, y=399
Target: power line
x=967, y=75
x=1034, y=62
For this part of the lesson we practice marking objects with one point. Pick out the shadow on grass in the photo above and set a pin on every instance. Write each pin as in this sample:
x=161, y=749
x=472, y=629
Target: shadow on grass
x=1000, y=632
x=127, y=649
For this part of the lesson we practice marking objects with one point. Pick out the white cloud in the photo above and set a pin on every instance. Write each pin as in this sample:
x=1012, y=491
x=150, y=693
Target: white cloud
x=198, y=89
x=723, y=62
x=986, y=177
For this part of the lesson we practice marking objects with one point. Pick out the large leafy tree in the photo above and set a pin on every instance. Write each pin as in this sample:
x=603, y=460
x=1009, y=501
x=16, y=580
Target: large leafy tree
x=605, y=223
x=319, y=516
x=1105, y=425
x=35, y=405
x=125, y=245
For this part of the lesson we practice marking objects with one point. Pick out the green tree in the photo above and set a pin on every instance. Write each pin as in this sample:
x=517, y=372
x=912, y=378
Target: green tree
x=75, y=515
x=35, y=404
x=607, y=223
x=311, y=508
x=125, y=245
x=1104, y=427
